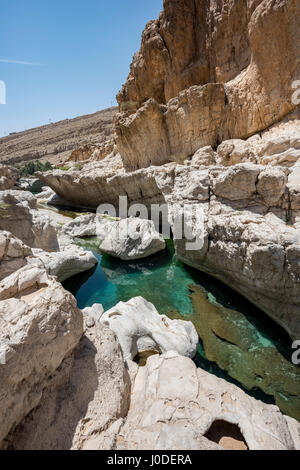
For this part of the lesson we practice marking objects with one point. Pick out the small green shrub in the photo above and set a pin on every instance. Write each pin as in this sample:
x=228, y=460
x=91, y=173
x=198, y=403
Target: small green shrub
x=31, y=167
x=79, y=166
x=62, y=168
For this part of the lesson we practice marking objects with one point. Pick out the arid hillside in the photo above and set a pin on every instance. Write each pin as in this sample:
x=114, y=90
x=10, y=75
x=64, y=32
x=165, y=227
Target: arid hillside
x=55, y=142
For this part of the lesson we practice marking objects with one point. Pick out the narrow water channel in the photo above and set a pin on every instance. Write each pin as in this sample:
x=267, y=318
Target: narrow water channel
x=238, y=342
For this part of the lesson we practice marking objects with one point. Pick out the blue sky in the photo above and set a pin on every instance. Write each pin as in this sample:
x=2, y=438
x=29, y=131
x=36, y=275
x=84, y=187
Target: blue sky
x=80, y=51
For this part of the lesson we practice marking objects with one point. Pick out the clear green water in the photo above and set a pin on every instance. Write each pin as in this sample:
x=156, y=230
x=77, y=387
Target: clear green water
x=237, y=341
x=159, y=279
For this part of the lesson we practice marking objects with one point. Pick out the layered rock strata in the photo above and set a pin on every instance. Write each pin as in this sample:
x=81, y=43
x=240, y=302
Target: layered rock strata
x=56, y=142
x=207, y=72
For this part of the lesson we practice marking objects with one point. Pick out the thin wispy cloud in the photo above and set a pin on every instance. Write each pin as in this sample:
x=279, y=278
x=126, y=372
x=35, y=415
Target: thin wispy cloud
x=19, y=62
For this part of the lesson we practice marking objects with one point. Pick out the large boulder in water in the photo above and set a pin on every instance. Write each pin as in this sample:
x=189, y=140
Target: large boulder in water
x=133, y=238
x=139, y=328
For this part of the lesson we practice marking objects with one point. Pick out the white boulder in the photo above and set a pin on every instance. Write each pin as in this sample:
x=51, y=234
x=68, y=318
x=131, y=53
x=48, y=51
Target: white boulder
x=132, y=238
x=92, y=315
x=90, y=225
x=82, y=226
x=139, y=327
x=85, y=403
x=65, y=263
x=19, y=216
x=45, y=195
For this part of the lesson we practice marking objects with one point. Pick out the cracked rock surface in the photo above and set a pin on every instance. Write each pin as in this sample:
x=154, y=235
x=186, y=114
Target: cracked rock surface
x=182, y=403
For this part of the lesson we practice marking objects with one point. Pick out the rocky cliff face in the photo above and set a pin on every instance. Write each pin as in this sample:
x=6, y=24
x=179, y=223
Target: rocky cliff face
x=207, y=71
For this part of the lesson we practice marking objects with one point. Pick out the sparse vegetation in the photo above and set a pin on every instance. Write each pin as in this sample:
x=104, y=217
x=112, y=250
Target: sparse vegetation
x=79, y=166
x=31, y=167
x=109, y=218
x=62, y=168
x=3, y=210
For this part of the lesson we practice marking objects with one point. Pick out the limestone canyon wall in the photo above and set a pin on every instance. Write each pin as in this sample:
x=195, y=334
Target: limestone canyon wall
x=207, y=71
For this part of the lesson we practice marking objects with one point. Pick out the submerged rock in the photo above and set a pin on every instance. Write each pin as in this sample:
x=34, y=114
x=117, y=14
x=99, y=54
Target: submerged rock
x=132, y=238
x=244, y=350
x=251, y=226
x=139, y=327
x=190, y=98
x=89, y=398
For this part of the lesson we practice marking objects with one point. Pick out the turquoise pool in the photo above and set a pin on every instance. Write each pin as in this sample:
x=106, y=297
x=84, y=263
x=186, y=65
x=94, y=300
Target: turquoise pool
x=238, y=342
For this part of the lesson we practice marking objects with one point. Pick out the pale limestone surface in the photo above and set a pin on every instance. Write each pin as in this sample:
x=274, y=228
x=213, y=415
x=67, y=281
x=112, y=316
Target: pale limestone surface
x=89, y=398
x=132, y=238
x=182, y=402
x=86, y=401
x=89, y=225
x=251, y=224
x=82, y=226
x=19, y=216
x=65, y=263
x=40, y=325
x=139, y=327
x=13, y=254
x=205, y=95
x=46, y=244
x=8, y=177
x=251, y=239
